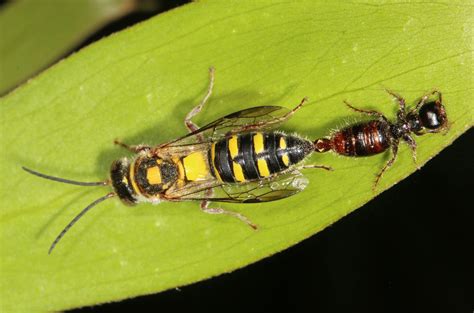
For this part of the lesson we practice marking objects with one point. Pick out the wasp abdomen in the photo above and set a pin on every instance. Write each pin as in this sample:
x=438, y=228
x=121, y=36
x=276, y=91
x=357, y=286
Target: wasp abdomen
x=362, y=139
x=256, y=155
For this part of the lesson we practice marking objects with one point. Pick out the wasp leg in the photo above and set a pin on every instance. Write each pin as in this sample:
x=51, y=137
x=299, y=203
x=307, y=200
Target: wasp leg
x=367, y=112
x=389, y=163
x=206, y=209
x=280, y=119
x=136, y=149
x=412, y=143
x=324, y=167
x=190, y=125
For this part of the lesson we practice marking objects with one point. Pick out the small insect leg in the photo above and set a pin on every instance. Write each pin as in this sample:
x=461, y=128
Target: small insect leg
x=401, y=104
x=401, y=100
x=425, y=97
x=190, y=125
x=136, y=149
x=367, y=112
x=389, y=163
x=412, y=143
x=205, y=208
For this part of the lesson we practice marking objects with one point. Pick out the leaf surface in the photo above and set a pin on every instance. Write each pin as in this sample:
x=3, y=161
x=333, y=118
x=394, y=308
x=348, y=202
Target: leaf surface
x=36, y=33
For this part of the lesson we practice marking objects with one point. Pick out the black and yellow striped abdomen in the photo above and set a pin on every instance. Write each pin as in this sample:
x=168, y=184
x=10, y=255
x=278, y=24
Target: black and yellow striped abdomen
x=256, y=155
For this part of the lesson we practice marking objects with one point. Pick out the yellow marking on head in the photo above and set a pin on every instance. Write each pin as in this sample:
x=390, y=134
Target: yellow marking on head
x=238, y=172
x=195, y=166
x=213, y=163
x=258, y=143
x=282, y=143
x=285, y=159
x=233, y=147
x=153, y=175
x=132, y=178
x=263, y=170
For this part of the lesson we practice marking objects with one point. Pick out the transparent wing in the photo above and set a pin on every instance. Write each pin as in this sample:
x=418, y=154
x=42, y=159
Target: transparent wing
x=278, y=187
x=240, y=121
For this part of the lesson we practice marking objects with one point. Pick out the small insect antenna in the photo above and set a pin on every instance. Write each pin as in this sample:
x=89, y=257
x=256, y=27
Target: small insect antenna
x=66, y=181
x=78, y=216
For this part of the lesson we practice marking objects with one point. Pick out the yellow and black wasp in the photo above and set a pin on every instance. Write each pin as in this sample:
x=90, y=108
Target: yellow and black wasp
x=237, y=158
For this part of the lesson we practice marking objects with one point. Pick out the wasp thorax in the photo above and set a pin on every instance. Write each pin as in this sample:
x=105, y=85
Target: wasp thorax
x=153, y=175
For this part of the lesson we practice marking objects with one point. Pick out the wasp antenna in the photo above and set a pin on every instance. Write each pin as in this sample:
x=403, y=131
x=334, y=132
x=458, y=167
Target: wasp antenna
x=66, y=181
x=78, y=216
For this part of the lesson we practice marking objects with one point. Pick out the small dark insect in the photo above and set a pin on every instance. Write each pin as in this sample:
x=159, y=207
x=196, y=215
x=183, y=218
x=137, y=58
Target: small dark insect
x=236, y=158
x=376, y=136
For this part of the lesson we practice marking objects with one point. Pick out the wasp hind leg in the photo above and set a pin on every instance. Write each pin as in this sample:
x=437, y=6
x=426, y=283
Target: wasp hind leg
x=190, y=125
x=206, y=209
x=135, y=149
x=281, y=119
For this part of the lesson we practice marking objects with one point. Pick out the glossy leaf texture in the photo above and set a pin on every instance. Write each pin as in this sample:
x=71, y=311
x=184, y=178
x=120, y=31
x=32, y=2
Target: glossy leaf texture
x=138, y=85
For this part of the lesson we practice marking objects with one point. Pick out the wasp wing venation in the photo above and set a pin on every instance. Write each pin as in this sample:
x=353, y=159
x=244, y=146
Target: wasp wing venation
x=270, y=189
x=256, y=117
x=179, y=151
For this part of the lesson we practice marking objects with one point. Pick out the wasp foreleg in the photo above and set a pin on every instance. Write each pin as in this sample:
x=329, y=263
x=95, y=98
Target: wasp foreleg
x=135, y=149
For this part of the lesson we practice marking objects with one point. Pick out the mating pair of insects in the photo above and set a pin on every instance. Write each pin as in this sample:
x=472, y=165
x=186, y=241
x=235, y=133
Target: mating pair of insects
x=241, y=158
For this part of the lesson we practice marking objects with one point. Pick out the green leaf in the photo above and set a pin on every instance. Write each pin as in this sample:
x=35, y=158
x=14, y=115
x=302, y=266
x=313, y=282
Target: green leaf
x=139, y=84
x=36, y=33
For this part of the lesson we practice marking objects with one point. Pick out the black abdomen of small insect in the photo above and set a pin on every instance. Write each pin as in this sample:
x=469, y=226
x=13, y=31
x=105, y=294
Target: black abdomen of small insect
x=256, y=155
x=362, y=139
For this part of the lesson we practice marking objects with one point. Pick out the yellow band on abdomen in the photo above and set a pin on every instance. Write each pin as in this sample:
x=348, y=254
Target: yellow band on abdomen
x=258, y=144
x=262, y=166
x=238, y=172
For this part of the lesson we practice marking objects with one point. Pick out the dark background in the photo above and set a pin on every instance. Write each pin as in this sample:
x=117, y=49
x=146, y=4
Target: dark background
x=373, y=260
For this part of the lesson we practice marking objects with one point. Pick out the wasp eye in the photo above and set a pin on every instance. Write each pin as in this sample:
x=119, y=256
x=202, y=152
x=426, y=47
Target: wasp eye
x=432, y=115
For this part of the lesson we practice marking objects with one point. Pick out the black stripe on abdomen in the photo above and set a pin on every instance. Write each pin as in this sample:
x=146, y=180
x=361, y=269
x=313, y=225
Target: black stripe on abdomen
x=270, y=152
x=246, y=156
x=222, y=161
